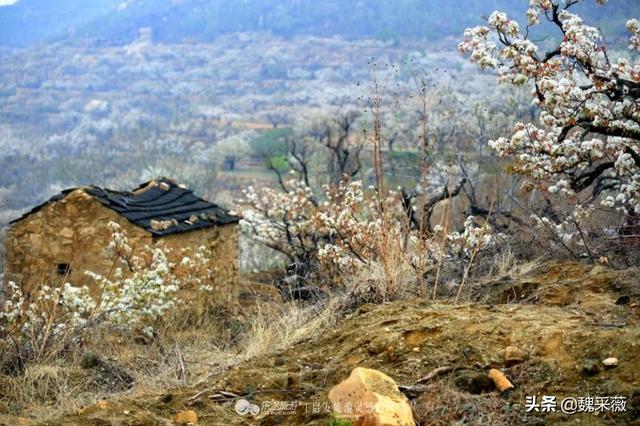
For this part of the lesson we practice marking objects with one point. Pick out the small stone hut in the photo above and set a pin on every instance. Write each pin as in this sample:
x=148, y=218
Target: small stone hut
x=68, y=234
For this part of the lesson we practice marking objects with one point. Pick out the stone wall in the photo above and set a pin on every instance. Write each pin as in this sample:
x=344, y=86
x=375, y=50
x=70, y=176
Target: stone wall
x=71, y=231
x=222, y=241
x=74, y=231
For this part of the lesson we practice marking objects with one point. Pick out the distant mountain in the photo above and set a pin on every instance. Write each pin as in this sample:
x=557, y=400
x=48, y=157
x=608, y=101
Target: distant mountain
x=114, y=22
x=32, y=21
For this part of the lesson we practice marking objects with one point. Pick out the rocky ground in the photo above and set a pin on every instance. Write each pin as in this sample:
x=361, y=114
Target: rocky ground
x=547, y=328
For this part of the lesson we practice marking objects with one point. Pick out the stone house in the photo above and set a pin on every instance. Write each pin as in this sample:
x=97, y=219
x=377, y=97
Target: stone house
x=67, y=235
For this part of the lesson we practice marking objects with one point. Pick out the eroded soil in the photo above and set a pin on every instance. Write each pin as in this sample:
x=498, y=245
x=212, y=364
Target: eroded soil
x=565, y=317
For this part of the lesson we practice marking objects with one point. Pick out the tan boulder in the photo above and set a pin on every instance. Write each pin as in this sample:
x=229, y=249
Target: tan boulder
x=371, y=398
x=187, y=417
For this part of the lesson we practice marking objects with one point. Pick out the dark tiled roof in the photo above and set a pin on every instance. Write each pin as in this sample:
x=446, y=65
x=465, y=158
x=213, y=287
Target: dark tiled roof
x=160, y=206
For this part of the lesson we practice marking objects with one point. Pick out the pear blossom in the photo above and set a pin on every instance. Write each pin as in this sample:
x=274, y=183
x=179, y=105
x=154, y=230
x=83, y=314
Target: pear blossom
x=588, y=131
x=347, y=227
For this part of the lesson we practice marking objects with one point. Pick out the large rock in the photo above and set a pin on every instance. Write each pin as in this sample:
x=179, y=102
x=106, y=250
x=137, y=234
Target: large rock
x=370, y=398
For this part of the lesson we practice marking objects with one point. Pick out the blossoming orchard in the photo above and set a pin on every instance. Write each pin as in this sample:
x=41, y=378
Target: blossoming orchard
x=585, y=145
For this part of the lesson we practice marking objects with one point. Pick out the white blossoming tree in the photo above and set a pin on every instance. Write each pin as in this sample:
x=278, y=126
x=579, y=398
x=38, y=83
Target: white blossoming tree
x=586, y=144
x=332, y=237
x=336, y=231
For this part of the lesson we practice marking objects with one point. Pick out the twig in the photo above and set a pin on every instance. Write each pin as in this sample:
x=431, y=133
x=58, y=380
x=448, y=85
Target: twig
x=447, y=219
x=476, y=249
x=183, y=368
x=419, y=387
x=195, y=397
x=608, y=325
x=436, y=372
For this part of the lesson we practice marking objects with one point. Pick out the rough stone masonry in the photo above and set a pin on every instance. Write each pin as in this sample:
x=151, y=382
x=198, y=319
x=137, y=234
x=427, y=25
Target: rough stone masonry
x=67, y=235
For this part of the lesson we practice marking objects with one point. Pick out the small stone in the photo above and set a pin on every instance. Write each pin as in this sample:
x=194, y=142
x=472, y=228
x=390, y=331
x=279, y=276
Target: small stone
x=513, y=355
x=87, y=231
x=610, y=362
x=156, y=225
x=161, y=225
x=500, y=380
x=66, y=233
x=187, y=417
x=416, y=349
x=590, y=367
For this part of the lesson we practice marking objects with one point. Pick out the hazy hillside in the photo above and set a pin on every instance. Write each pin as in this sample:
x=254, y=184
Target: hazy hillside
x=116, y=22
x=45, y=18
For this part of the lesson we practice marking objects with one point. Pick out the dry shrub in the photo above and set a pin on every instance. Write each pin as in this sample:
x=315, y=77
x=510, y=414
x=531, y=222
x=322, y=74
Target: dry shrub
x=376, y=283
x=44, y=383
x=183, y=351
x=284, y=327
x=441, y=404
x=46, y=390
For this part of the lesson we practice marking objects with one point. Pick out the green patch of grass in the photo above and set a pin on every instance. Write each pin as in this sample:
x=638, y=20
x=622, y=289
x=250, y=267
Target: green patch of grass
x=279, y=162
x=337, y=421
x=409, y=156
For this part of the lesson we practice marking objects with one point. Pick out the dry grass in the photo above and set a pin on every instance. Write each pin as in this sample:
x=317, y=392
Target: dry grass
x=292, y=324
x=376, y=283
x=43, y=390
x=445, y=405
x=185, y=352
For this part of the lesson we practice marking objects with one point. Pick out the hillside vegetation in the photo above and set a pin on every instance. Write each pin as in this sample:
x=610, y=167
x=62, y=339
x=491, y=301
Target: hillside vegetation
x=563, y=317
x=445, y=228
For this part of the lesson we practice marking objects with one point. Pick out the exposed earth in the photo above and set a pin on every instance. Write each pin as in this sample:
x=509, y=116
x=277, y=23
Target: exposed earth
x=547, y=328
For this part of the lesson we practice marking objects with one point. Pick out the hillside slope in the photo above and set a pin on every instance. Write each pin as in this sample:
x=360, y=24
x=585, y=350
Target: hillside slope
x=574, y=317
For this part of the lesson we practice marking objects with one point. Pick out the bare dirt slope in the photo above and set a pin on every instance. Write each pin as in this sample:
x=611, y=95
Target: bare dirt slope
x=565, y=317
